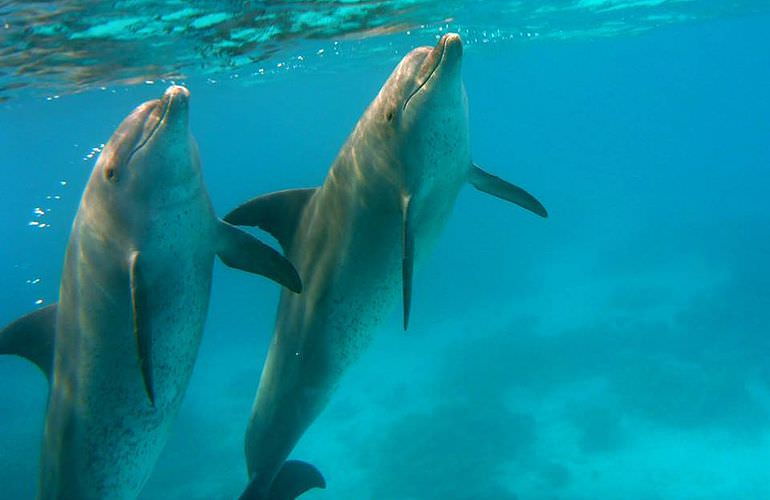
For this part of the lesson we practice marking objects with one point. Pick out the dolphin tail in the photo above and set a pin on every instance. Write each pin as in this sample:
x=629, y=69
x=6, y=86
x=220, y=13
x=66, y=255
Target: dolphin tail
x=240, y=250
x=32, y=337
x=277, y=213
x=488, y=183
x=294, y=479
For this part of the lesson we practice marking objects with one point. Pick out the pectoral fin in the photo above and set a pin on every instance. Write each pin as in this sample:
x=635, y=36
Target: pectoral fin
x=32, y=336
x=407, y=261
x=277, y=213
x=140, y=290
x=240, y=250
x=488, y=183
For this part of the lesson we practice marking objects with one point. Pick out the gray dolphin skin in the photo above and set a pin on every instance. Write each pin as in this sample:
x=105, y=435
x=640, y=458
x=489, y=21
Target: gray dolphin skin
x=120, y=345
x=354, y=241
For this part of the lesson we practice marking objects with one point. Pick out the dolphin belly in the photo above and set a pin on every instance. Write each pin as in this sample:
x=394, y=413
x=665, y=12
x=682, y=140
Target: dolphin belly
x=102, y=435
x=351, y=284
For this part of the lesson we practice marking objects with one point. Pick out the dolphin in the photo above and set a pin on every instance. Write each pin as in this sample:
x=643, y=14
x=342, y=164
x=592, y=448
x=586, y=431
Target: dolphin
x=119, y=346
x=355, y=240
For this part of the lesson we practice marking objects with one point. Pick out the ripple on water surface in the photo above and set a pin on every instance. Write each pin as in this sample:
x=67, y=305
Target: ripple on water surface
x=73, y=45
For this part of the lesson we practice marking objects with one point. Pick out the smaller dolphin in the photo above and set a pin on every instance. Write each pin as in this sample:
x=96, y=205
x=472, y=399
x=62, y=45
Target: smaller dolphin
x=354, y=240
x=119, y=347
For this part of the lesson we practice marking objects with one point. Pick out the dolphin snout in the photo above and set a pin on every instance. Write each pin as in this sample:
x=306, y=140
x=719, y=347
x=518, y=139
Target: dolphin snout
x=176, y=97
x=175, y=102
x=441, y=63
x=451, y=40
x=452, y=46
x=176, y=92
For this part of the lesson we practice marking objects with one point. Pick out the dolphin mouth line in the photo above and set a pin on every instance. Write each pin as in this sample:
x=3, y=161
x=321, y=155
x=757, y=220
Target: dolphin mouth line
x=430, y=75
x=161, y=120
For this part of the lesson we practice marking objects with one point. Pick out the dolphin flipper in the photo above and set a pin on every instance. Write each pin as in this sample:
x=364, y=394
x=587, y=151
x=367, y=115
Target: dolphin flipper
x=277, y=213
x=142, y=326
x=294, y=479
x=488, y=183
x=407, y=262
x=32, y=337
x=240, y=250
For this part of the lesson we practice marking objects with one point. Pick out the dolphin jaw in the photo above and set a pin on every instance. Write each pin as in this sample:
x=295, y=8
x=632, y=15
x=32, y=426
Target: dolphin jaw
x=172, y=108
x=153, y=149
x=453, y=54
x=176, y=100
x=149, y=128
x=444, y=58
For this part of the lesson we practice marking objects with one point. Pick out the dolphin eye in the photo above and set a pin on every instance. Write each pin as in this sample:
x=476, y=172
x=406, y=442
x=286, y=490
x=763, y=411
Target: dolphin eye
x=389, y=116
x=109, y=174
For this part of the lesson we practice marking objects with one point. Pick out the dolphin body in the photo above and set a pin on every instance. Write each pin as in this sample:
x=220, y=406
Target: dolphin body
x=119, y=347
x=354, y=240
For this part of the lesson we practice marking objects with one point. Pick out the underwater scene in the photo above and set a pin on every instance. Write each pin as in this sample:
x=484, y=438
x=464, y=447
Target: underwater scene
x=385, y=250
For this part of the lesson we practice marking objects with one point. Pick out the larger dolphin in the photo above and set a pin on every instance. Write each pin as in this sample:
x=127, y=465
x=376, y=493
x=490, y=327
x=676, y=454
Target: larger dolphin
x=354, y=240
x=120, y=345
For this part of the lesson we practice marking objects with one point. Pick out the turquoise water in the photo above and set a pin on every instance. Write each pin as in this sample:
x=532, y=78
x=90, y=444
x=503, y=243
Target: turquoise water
x=619, y=349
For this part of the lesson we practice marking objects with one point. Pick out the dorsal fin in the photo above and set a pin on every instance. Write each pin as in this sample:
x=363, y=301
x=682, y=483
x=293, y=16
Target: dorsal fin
x=32, y=336
x=277, y=213
x=488, y=183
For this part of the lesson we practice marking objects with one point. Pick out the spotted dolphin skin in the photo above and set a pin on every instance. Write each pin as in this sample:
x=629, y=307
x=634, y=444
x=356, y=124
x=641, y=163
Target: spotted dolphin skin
x=119, y=347
x=354, y=240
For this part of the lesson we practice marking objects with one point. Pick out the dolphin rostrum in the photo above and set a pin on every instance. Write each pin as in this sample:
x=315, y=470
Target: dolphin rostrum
x=119, y=347
x=355, y=240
